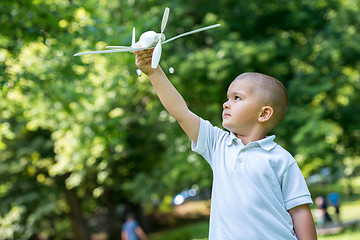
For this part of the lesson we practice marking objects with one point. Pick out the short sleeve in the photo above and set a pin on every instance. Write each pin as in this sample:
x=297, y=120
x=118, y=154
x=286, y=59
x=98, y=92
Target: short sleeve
x=207, y=139
x=294, y=188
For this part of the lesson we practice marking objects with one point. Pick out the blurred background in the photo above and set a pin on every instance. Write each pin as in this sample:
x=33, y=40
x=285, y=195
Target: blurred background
x=84, y=140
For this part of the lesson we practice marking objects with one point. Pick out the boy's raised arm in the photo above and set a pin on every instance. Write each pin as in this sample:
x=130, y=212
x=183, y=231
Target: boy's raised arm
x=168, y=95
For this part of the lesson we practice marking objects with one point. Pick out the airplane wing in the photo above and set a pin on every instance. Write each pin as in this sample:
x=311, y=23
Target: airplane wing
x=118, y=47
x=192, y=32
x=128, y=49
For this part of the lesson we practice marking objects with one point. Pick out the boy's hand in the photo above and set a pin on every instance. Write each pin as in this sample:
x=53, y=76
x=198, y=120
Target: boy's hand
x=143, y=61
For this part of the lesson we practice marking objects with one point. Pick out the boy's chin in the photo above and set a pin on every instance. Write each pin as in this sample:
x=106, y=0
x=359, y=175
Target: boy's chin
x=224, y=126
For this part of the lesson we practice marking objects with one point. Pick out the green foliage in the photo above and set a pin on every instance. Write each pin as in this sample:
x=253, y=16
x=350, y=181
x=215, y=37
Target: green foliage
x=354, y=234
x=198, y=230
x=82, y=136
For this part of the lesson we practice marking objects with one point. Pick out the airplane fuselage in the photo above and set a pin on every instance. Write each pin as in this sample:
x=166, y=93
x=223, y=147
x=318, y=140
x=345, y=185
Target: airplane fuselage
x=149, y=39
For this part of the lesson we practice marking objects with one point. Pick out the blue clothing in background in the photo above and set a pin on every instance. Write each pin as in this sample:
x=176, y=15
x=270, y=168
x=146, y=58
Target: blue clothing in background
x=334, y=199
x=129, y=227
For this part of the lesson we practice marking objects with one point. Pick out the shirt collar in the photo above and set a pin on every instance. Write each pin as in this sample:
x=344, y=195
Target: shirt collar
x=231, y=139
x=265, y=143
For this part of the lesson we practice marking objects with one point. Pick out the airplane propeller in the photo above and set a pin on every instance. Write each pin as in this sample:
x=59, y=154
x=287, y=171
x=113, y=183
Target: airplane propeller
x=148, y=40
x=133, y=37
x=157, y=51
x=165, y=19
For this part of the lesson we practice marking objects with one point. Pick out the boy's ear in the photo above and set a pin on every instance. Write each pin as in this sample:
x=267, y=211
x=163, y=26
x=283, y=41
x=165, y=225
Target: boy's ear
x=265, y=114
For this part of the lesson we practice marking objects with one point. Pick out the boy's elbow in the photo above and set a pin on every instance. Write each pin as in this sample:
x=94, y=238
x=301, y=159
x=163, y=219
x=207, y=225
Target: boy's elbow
x=191, y=125
x=183, y=116
x=180, y=113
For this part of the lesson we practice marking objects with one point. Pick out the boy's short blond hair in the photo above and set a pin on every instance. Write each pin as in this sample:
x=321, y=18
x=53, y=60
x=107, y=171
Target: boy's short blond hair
x=271, y=93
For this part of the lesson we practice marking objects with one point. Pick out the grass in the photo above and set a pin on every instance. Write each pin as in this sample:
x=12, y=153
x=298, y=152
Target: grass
x=342, y=236
x=198, y=231
x=350, y=210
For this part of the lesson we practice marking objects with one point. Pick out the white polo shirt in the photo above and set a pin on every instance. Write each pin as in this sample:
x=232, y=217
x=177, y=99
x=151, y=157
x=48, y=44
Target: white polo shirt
x=253, y=186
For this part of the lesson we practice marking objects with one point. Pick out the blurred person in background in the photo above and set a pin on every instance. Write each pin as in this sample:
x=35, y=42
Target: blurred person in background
x=334, y=201
x=131, y=229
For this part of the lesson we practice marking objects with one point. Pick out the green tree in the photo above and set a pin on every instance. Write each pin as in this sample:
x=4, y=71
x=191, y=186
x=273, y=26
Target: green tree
x=74, y=131
x=82, y=137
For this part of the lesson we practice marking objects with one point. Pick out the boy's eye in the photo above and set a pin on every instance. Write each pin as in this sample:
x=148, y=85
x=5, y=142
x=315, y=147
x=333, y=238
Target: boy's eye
x=237, y=98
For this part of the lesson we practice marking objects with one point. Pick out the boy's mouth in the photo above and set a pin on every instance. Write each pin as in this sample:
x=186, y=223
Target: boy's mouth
x=226, y=115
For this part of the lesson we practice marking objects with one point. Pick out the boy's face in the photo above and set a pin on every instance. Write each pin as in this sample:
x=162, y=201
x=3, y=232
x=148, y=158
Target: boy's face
x=242, y=109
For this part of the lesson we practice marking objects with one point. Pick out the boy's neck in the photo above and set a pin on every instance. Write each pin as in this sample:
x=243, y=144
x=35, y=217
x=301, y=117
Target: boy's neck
x=246, y=139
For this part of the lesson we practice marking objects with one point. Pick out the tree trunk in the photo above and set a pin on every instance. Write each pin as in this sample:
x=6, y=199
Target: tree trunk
x=113, y=221
x=78, y=223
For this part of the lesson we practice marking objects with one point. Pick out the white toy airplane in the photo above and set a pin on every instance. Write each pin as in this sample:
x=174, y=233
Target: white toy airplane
x=148, y=40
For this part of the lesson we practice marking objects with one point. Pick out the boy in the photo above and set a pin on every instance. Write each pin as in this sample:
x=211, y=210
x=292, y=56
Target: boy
x=258, y=189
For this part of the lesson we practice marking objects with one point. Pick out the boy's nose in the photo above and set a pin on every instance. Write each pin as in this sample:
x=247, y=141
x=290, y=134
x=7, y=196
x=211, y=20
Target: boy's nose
x=226, y=105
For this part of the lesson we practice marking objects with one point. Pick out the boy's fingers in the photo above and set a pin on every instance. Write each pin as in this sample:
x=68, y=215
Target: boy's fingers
x=144, y=53
x=140, y=56
x=143, y=61
x=143, y=58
